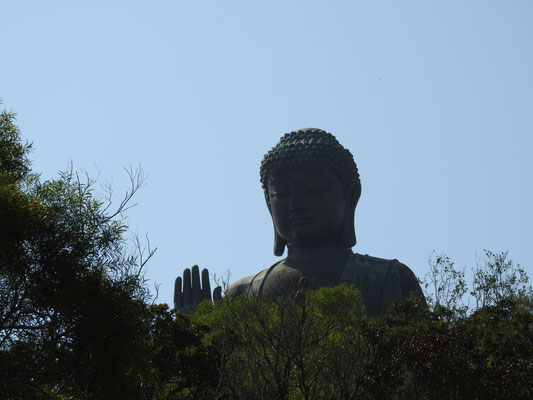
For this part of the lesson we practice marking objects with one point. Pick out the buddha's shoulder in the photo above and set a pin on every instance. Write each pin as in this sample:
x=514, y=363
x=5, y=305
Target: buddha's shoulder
x=241, y=286
x=378, y=268
x=249, y=284
x=376, y=262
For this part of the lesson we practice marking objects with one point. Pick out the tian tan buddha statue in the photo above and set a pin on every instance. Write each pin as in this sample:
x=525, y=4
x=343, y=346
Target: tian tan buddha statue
x=311, y=186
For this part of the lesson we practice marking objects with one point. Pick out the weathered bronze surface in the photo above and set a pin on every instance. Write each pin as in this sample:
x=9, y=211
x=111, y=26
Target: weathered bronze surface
x=311, y=186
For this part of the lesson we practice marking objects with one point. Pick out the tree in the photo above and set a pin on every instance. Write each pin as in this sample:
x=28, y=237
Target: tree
x=445, y=286
x=184, y=363
x=320, y=345
x=498, y=279
x=14, y=162
x=301, y=346
x=73, y=316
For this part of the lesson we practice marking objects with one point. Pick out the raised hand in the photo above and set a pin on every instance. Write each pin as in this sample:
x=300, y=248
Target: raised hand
x=188, y=292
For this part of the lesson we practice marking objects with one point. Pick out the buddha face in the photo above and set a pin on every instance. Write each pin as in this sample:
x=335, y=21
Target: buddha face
x=308, y=204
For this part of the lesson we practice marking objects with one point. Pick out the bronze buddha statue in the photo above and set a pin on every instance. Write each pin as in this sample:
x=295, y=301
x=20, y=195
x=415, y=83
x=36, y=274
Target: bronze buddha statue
x=312, y=186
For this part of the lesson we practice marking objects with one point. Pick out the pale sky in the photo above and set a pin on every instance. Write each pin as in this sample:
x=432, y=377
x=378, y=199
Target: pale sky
x=433, y=98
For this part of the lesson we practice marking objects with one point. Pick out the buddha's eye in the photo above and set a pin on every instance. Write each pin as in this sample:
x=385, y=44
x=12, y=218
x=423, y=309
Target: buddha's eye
x=279, y=195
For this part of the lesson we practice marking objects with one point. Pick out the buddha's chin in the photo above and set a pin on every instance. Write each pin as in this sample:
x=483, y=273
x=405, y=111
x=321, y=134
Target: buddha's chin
x=302, y=236
x=308, y=241
x=306, y=236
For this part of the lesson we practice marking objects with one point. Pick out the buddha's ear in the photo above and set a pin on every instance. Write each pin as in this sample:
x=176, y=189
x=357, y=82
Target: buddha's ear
x=279, y=243
x=348, y=226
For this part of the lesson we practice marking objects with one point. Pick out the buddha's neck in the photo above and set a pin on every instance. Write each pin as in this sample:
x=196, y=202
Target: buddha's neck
x=326, y=258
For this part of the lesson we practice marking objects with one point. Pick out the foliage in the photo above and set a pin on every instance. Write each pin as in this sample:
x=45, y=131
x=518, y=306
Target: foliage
x=73, y=317
x=14, y=162
x=183, y=362
x=291, y=347
x=498, y=279
x=494, y=280
x=321, y=346
x=444, y=286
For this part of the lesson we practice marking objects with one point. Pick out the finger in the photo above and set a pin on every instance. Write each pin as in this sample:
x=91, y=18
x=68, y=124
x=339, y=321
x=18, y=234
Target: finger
x=206, y=286
x=178, y=295
x=196, y=290
x=187, y=295
x=217, y=293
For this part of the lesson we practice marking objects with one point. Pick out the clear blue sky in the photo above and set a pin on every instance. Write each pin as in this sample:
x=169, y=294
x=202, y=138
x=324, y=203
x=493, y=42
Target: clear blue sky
x=433, y=98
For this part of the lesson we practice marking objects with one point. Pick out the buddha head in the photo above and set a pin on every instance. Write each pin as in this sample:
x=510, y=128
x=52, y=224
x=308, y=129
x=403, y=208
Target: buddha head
x=311, y=186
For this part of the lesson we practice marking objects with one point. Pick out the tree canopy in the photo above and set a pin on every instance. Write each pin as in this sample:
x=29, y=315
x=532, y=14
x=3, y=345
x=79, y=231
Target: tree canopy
x=72, y=305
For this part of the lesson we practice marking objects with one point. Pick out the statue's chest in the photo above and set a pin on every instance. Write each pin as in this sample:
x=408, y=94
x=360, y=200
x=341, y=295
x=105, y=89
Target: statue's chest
x=281, y=280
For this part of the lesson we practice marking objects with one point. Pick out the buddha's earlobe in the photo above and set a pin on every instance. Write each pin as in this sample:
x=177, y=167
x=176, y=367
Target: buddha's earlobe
x=348, y=226
x=279, y=243
x=348, y=229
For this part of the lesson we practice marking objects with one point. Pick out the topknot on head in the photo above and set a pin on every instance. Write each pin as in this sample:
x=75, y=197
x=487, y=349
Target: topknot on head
x=310, y=145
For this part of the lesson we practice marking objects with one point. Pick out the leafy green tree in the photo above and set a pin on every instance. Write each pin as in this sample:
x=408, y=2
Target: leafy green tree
x=184, y=364
x=497, y=279
x=14, y=162
x=445, y=286
x=300, y=346
x=320, y=345
x=73, y=316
